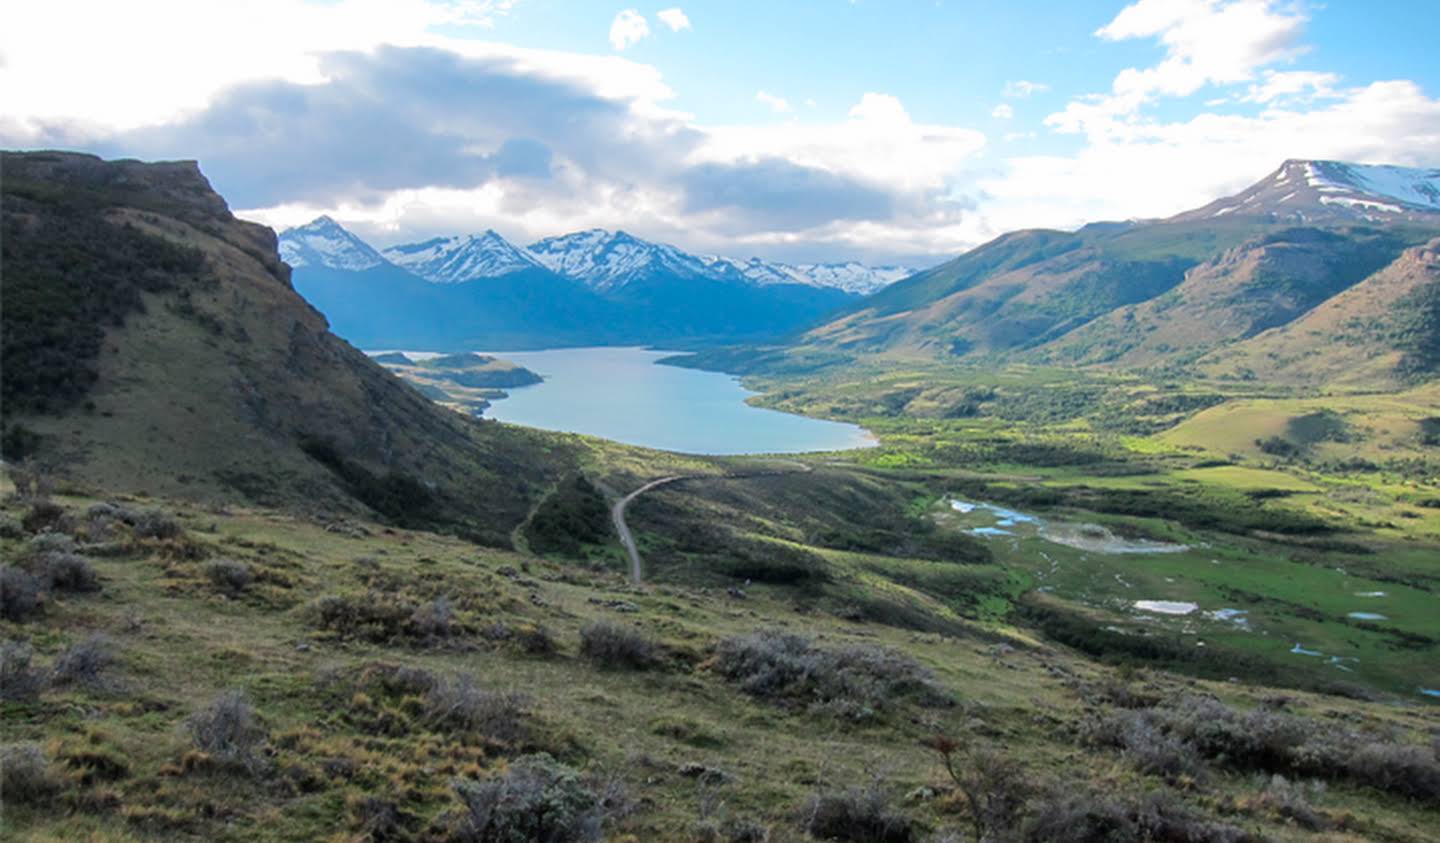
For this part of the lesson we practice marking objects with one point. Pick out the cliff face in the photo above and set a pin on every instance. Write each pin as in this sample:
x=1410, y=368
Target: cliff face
x=209, y=376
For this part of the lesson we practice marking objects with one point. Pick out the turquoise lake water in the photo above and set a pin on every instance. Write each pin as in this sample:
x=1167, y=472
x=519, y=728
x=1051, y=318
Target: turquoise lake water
x=621, y=394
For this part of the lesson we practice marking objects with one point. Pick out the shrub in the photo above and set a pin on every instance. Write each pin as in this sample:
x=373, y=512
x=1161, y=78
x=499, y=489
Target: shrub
x=1287, y=799
x=21, y=595
x=613, y=646
x=536, y=640
x=459, y=704
x=46, y=543
x=84, y=664
x=229, y=730
x=44, y=515
x=858, y=814
x=17, y=681
x=25, y=775
x=10, y=526
x=378, y=617
x=433, y=620
x=69, y=572
x=1405, y=769
x=1092, y=818
x=856, y=682
x=995, y=787
x=107, y=511
x=154, y=524
x=228, y=575
x=1151, y=749
x=536, y=799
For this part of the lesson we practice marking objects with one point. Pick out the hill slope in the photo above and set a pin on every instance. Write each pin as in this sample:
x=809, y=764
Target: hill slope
x=203, y=373
x=1382, y=331
x=1158, y=292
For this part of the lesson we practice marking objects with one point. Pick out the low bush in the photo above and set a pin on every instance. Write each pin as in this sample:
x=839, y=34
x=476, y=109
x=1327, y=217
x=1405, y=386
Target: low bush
x=433, y=620
x=535, y=799
x=995, y=786
x=84, y=664
x=1150, y=748
x=535, y=639
x=1289, y=801
x=1093, y=818
x=862, y=815
x=154, y=524
x=856, y=682
x=44, y=515
x=230, y=731
x=379, y=617
x=69, y=572
x=228, y=576
x=611, y=645
x=459, y=704
x=25, y=775
x=18, y=681
x=1268, y=741
x=21, y=594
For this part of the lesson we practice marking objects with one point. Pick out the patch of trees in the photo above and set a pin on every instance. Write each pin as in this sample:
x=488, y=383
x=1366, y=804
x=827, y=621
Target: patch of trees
x=398, y=497
x=69, y=275
x=574, y=515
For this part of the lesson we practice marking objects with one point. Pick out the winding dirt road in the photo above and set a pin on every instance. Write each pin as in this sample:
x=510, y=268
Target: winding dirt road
x=617, y=514
x=627, y=539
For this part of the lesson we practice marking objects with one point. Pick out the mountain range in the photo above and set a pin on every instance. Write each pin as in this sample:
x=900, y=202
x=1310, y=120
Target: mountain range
x=1319, y=257
x=589, y=287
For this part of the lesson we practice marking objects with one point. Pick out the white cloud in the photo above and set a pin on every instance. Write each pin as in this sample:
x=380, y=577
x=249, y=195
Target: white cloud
x=1306, y=84
x=141, y=43
x=629, y=27
x=1003, y=111
x=775, y=103
x=1207, y=42
x=674, y=18
x=1021, y=88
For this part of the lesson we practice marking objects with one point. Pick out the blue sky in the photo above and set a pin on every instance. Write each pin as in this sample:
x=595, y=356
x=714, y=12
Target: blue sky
x=809, y=131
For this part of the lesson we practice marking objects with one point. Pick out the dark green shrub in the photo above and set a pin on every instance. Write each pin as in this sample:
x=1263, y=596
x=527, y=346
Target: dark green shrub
x=610, y=645
x=84, y=664
x=21, y=595
x=536, y=799
x=228, y=575
x=855, y=682
x=18, y=682
x=25, y=775
x=861, y=815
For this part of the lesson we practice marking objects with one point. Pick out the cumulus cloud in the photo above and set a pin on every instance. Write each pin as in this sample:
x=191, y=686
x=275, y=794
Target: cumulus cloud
x=1207, y=42
x=628, y=28
x=674, y=18
x=775, y=103
x=1003, y=111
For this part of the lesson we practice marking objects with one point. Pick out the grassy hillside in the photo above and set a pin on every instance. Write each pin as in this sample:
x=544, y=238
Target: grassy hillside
x=239, y=674
x=153, y=343
x=1381, y=332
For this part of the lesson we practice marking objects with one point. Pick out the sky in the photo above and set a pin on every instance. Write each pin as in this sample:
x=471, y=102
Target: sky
x=889, y=131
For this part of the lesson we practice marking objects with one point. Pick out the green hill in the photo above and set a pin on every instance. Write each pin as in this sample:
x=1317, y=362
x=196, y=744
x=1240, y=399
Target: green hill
x=152, y=342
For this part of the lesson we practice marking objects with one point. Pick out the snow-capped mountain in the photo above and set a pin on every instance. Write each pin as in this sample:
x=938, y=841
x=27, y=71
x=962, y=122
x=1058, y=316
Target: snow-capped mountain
x=1327, y=191
x=850, y=276
x=454, y=260
x=605, y=260
x=323, y=242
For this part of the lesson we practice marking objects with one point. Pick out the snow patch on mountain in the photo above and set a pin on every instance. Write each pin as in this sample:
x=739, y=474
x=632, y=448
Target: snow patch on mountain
x=849, y=276
x=324, y=242
x=455, y=260
x=605, y=260
x=1419, y=188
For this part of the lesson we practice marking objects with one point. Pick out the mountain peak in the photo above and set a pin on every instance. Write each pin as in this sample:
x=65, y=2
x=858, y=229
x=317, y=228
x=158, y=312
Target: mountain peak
x=455, y=260
x=1314, y=191
x=326, y=243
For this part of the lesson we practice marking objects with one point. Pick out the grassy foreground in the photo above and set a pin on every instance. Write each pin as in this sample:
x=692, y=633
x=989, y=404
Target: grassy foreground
x=349, y=645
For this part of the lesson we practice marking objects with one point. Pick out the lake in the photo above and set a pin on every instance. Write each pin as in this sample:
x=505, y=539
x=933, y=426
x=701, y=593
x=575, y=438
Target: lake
x=621, y=394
